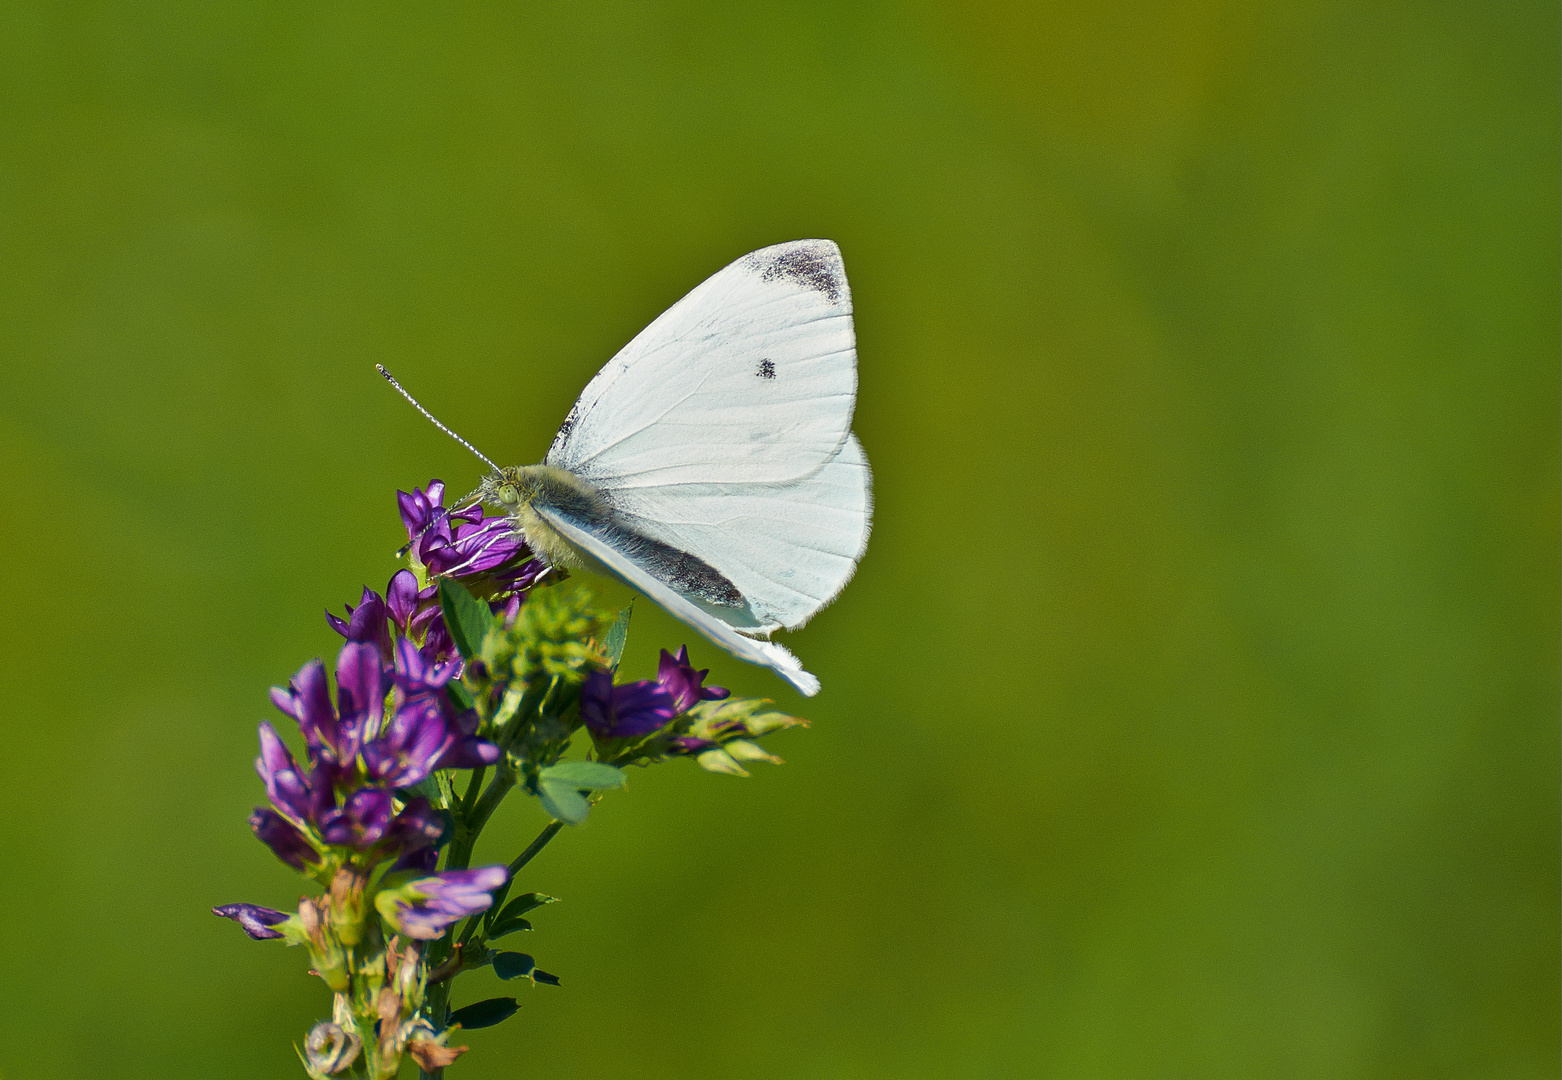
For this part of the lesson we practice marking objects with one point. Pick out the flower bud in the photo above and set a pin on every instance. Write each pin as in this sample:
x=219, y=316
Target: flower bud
x=347, y=903
x=325, y=949
x=388, y=1006
x=743, y=750
x=257, y=921
x=718, y=760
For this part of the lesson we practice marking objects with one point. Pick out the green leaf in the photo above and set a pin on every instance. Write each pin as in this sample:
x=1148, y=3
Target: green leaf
x=507, y=925
x=564, y=802
x=617, y=635
x=591, y=775
x=516, y=965
x=513, y=965
x=507, y=920
x=522, y=904
x=483, y=1014
x=467, y=617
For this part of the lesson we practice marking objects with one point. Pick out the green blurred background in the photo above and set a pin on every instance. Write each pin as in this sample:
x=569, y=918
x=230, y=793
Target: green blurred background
x=1195, y=710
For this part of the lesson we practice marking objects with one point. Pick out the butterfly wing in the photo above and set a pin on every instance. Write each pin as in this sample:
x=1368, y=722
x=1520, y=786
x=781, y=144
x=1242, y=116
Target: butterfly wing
x=601, y=543
x=750, y=378
x=788, y=548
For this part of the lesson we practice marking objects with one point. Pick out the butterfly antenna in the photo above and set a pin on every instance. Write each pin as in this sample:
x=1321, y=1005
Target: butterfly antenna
x=431, y=418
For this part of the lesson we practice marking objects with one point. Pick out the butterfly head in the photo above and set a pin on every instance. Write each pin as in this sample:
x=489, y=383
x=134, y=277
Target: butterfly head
x=504, y=489
x=515, y=491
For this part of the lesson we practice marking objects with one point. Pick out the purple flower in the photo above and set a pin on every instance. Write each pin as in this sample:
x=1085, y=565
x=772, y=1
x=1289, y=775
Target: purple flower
x=361, y=820
x=474, y=545
x=467, y=751
x=257, y=921
x=366, y=622
x=460, y=542
x=419, y=827
x=416, y=674
x=463, y=543
x=419, y=510
x=299, y=797
x=283, y=838
x=437, y=643
x=425, y=733
x=618, y=712
x=407, y=604
x=412, y=746
x=420, y=684
x=520, y=577
x=679, y=679
x=423, y=860
x=424, y=907
x=361, y=682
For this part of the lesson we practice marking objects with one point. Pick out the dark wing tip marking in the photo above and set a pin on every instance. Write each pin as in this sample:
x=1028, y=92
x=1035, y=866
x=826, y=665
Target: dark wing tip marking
x=813, y=264
x=566, y=427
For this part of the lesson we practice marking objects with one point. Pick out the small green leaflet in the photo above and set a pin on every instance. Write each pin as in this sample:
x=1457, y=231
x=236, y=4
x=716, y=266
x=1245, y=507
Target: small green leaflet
x=515, y=965
x=467, y=617
x=483, y=1014
x=559, y=787
x=522, y=904
x=591, y=775
x=563, y=802
x=509, y=920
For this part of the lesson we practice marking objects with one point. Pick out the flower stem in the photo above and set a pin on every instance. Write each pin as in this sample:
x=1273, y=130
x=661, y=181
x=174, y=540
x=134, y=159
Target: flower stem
x=472, y=788
x=535, y=846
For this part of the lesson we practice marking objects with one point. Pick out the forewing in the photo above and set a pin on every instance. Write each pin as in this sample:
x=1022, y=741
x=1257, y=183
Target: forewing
x=750, y=378
x=789, y=548
x=768, y=654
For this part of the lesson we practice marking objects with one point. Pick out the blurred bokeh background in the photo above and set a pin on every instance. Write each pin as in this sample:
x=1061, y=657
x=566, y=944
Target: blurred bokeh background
x=1195, y=710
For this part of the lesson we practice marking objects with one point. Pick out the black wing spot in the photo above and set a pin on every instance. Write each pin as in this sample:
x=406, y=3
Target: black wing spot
x=811, y=266
x=767, y=369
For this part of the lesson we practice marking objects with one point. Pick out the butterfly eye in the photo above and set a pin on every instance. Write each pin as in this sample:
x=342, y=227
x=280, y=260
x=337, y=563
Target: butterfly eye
x=508, y=495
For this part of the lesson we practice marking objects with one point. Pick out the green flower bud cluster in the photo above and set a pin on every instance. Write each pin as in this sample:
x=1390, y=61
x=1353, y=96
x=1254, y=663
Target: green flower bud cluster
x=733, y=725
x=555, y=634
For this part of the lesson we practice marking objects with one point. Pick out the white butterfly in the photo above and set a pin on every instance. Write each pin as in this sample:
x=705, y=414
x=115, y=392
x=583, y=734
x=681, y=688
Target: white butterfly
x=711, y=464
